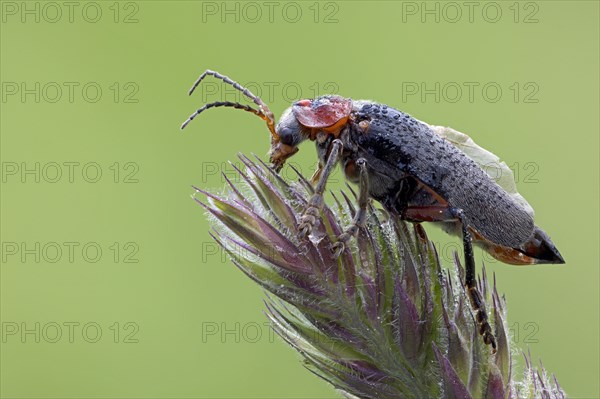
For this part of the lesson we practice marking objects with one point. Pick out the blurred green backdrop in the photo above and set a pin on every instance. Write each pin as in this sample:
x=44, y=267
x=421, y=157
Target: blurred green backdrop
x=110, y=284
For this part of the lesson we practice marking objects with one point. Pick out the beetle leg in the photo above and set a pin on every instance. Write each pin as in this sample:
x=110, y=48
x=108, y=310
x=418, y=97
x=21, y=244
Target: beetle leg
x=361, y=213
x=477, y=303
x=315, y=204
x=447, y=214
x=315, y=177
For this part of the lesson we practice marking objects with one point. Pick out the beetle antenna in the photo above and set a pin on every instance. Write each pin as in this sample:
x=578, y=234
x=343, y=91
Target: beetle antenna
x=223, y=104
x=267, y=115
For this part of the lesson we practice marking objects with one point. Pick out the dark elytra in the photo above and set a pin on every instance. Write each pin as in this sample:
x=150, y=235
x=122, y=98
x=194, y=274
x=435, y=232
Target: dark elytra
x=398, y=146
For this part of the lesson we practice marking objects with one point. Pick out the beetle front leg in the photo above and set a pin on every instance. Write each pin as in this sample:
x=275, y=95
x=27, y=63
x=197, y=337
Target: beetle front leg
x=361, y=213
x=315, y=204
x=317, y=175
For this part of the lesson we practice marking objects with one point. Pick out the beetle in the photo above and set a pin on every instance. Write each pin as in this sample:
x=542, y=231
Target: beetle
x=402, y=163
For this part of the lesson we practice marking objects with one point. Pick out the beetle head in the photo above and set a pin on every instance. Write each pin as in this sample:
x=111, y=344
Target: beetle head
x=299, y=122
x=302, y=120
x=289, y=133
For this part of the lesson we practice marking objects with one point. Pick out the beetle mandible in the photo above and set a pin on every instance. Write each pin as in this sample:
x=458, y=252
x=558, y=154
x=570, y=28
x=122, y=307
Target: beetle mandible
x=402, y=163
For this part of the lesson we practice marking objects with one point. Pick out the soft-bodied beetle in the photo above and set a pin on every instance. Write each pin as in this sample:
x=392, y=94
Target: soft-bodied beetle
x=402, y=163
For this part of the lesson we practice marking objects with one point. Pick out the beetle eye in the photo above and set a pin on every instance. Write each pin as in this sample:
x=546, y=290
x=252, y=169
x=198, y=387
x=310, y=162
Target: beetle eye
x=286, y=136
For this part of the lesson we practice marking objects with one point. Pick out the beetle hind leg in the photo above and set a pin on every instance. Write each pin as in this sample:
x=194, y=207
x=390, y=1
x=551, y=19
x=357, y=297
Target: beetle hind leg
x=360, y=216
x=444, y=213
x=477, y=303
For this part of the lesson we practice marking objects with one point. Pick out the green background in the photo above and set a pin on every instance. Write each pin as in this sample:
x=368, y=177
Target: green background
x=180, y=290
